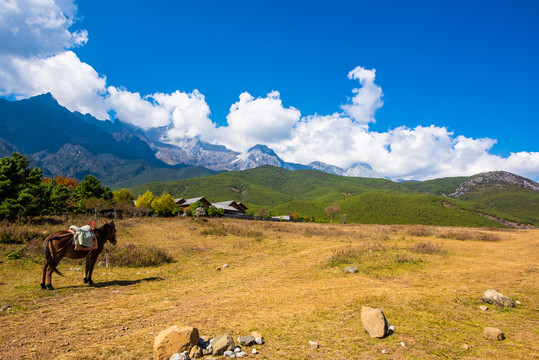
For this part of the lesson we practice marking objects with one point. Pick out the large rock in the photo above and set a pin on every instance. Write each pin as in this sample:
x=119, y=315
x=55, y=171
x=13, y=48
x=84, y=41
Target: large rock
x=222, y=343
x=491, y=296
x=491, y=333
x=374, y=322
x=174, y=340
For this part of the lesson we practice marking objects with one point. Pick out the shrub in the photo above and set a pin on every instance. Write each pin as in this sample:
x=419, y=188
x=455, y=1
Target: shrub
x=429, y=248
x=131, y=255
x=14, y=234
x=470, y=235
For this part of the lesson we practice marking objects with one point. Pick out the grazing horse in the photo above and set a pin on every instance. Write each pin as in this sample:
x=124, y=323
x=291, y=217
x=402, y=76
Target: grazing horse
x=60, y=245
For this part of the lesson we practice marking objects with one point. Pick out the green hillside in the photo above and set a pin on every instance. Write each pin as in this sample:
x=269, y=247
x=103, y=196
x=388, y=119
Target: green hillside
x=363, y=200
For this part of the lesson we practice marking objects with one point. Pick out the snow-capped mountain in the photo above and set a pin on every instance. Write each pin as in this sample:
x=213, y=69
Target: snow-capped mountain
x=114, y=149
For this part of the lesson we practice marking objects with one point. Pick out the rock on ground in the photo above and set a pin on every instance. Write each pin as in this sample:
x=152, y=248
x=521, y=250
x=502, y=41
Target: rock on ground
x=374, y=322
x=491, y=333
x=196, y=352
x=222, y=343
x=246, y=340
x=174, y=340
x=491, y=296
x=351, y=269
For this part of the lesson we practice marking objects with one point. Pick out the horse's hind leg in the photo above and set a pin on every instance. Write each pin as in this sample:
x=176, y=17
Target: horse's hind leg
x=48, y=282
x=43, y=276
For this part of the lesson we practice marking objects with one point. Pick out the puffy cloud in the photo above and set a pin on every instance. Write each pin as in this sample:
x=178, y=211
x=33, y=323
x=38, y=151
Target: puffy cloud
x=76, y=85
x=190, y=116
x=38, y=27
x=368, y=97
x=133, y=109
x=261, y=120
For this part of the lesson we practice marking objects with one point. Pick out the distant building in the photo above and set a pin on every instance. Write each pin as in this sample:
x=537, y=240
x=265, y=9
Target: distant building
x=187, y=202
x=283, y=217
x=231, y=207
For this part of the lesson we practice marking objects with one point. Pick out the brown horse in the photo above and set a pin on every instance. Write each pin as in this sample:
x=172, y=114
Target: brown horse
x=60, y=245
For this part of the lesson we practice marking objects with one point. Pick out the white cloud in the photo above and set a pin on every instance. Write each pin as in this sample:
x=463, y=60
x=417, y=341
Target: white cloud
x=76, y=85
x=190, y=116
x=368, y=97
x=258, y=121
x=38, y=27
x=133, y=109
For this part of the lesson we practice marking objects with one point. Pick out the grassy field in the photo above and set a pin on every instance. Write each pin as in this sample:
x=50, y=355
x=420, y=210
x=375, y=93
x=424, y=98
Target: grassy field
x=284, y=280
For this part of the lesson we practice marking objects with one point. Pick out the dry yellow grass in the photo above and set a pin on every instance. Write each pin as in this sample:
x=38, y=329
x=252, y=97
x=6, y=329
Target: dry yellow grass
x=281, y=284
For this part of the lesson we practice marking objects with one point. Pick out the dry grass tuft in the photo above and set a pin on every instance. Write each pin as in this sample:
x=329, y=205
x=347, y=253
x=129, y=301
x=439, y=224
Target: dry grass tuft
x=132, y=255
x=468, y=235
x=17, y=234
x=222, y=230
x=429, y=248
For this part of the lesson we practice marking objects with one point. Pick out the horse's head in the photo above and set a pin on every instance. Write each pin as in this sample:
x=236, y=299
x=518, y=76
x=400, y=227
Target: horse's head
x=111, y=232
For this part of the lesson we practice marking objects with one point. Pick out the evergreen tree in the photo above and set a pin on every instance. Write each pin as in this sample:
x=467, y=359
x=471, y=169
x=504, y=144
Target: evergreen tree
x=21, y=191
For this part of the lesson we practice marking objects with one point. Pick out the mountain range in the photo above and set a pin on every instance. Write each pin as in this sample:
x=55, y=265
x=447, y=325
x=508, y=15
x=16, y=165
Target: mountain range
x=68, y=143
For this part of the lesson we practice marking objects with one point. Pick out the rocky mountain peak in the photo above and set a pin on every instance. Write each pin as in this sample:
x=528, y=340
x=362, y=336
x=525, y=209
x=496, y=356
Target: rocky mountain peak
x=494, y=178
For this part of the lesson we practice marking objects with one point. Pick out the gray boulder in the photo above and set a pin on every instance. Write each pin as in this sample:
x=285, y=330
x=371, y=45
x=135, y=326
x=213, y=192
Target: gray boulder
x=246, y=340
x=491, y=333
x=493, y=297
x=222, y=343
x=351, y=269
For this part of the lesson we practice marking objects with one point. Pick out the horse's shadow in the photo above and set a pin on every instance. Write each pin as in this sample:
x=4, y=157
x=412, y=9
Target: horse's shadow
x=117, y=283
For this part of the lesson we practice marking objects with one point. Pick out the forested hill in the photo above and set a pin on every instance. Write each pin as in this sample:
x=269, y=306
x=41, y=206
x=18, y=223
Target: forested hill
x=307, y=193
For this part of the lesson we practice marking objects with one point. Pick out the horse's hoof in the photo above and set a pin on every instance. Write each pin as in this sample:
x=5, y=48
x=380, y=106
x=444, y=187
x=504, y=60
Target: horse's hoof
x=43, y=287
x=85, y=280
x=90, y=282
x=49, y=287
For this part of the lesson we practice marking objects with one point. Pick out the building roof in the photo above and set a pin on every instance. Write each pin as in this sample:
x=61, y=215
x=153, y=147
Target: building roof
x=192, y=201
x=225, y=207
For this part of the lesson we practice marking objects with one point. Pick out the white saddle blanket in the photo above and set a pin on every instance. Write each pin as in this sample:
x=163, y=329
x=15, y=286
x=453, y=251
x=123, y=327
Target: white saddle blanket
x=83, y=235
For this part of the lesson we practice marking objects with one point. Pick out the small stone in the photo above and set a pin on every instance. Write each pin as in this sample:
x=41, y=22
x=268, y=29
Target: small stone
x=491, y=333
x=254, y=351
x=259, y=340
x=313, y=345
x=241, y=354
x=465, y=346
x=493, y=297
x=384, y=351
x=351, y=269
x=256, y=334
x=196, y=352
x=247, y=340
x=237, y=349
x=229, y=353
x=483, y=308
x=402, y=344
x=518, y=302
x=225, y=266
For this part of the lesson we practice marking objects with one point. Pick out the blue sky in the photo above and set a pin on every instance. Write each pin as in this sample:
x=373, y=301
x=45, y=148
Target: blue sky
x=469, y=68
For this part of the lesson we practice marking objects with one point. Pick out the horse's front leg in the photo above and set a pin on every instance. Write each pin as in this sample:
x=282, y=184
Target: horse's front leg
x=86, y=270
x=90, y=263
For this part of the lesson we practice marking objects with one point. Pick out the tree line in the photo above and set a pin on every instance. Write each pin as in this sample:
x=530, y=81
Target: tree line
x=25, y=193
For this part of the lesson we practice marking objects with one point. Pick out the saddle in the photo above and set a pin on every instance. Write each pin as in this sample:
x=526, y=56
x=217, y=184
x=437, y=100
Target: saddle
x=83, y=237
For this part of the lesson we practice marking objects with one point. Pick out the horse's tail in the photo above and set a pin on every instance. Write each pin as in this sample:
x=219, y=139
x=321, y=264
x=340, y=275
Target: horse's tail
x=48, y=255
